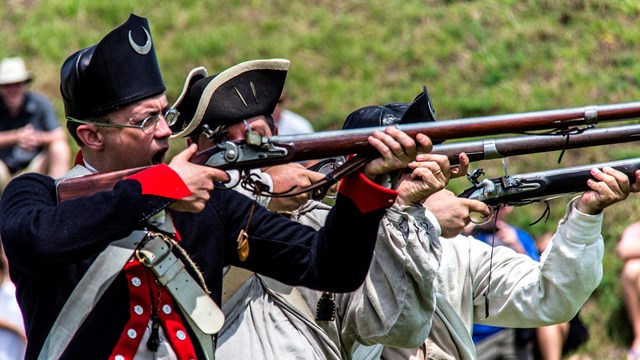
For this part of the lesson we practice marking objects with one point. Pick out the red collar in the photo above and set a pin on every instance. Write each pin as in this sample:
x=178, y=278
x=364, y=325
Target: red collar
x=79, y=159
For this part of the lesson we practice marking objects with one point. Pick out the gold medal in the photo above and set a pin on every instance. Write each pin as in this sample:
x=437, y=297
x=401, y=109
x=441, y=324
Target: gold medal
x=243, y=245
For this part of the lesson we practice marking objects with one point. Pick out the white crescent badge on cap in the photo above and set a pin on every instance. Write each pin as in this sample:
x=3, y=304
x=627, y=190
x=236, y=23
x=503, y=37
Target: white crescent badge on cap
x=144, y=49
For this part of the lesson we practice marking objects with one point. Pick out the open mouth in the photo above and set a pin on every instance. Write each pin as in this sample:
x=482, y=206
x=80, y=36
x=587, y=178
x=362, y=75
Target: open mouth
x=158, y=157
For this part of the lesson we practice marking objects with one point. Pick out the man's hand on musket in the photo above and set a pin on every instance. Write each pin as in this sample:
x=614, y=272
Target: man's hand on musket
x=199, y=179
x=453, y=213
x=396, y=149
x=462, y=168
x=609, y=187
x=291, y=177
x=430, y=174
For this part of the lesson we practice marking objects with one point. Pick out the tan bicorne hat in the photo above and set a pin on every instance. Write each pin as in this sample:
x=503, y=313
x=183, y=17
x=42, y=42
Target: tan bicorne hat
x=13, y=70
x=245, y=90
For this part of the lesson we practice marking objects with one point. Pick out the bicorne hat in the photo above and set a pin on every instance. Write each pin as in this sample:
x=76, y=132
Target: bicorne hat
x=120, y=70
x=246, y=90
x=420, y=110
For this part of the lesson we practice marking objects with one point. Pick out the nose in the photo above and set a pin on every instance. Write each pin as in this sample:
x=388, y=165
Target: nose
x=162, y=128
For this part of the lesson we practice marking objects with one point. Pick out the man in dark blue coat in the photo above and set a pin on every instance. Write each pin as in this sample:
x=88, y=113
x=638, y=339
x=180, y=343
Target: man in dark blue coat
x=116, y=109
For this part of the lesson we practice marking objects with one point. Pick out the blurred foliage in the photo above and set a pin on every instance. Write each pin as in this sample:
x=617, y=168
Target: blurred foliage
x=477, y=58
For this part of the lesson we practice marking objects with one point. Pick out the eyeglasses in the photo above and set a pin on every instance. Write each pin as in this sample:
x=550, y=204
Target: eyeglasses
x=147, y=125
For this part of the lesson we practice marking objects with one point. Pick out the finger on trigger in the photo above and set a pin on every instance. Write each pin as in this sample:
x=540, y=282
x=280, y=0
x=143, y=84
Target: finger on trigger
x=478, y=207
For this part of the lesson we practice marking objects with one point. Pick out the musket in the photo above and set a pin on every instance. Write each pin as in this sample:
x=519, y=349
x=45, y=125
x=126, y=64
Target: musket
x=259, y=151
x=523, y=189
x=488, y=149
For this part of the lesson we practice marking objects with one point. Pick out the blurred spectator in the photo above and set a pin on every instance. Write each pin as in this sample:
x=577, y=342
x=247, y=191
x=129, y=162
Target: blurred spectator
x=494, y=342
x=289, y=122
x=31, y=139
x=628, y=249
x=556, y=341
x=12, y=334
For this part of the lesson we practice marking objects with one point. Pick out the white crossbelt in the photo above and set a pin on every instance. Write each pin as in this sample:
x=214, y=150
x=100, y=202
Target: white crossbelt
x=194, y=302
x=202, y=313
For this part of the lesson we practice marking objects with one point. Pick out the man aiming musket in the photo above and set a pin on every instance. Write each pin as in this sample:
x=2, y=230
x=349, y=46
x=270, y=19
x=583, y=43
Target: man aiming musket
x=474, y=283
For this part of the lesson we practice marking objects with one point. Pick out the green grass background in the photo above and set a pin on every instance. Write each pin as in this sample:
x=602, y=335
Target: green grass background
x=476, y=57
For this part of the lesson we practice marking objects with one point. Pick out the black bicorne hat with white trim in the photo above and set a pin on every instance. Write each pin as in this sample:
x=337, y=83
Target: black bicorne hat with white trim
x=120, y=70
x=420, y=110
x=246, y=90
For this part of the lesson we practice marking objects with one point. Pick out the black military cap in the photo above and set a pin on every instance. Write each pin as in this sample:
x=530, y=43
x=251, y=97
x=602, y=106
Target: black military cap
x=420, y=110
x=246, y=90
x=120, y=70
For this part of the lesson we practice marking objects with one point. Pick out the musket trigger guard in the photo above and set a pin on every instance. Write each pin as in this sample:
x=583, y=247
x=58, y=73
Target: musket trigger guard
x=485, y=219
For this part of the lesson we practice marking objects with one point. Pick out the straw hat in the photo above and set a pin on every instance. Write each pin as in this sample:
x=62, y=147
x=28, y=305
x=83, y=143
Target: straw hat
x=13, y=70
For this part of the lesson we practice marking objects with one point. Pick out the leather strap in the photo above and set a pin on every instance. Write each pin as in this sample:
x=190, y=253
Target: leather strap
x=459, y=333
x=290, y=294
x=233, y=279
x=194, y=302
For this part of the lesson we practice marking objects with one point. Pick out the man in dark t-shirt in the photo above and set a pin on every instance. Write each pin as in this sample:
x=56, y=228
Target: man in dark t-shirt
x=31, y=139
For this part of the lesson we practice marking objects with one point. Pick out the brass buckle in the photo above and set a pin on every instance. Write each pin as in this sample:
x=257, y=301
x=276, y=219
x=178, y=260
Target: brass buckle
x=147, y=257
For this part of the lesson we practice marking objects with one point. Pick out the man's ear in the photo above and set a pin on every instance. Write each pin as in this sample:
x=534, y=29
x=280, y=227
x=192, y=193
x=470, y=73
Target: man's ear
x=91, y=137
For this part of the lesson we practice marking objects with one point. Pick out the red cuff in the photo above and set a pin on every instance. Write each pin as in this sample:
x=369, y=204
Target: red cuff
x=161, y=180
x=367, y=195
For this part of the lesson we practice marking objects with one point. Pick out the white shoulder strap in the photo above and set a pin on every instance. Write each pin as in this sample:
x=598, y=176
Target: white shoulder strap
x=459, y=333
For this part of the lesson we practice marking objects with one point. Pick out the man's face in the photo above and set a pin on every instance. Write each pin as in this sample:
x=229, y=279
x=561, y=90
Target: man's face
x=131, y=147
x=13, y=94
x=238, y=131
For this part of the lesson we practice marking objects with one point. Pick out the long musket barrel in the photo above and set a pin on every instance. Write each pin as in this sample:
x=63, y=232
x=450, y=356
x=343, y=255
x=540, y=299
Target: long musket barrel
x=522, y=189
x=274, y=150
x=340, y=142
x=530, y=144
